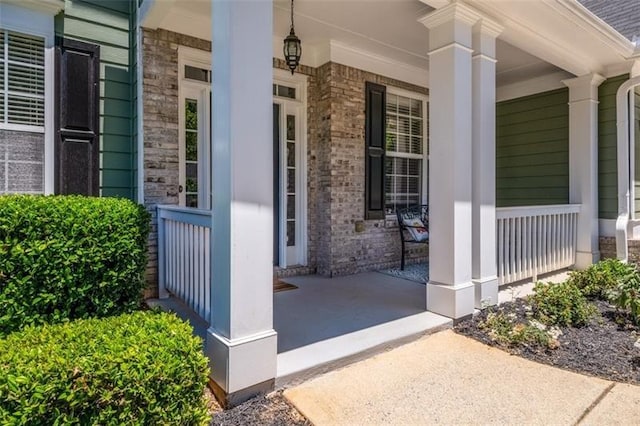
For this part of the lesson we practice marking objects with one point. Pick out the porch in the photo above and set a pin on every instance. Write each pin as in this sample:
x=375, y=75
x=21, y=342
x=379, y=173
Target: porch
x=378, y=135
x=323, y=321
x=327, y=322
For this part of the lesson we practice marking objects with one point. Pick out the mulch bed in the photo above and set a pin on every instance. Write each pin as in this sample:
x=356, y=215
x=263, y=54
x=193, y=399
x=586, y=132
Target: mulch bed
x=604, y=348
x=268, y=410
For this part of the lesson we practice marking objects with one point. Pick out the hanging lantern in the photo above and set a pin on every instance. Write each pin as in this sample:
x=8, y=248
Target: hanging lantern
x=292, y=47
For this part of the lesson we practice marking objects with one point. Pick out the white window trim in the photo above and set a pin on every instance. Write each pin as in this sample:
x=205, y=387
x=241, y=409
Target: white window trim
x=18, y=19
x=424, y=196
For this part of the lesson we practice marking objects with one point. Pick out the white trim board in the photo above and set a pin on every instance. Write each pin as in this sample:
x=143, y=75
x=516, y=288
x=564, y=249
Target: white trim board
x=316, y=55
x=532, y=86
x=607, y=227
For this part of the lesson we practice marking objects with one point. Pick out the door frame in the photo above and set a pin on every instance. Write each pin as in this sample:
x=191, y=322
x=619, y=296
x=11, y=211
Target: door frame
x=299, y=106
x=202, y=92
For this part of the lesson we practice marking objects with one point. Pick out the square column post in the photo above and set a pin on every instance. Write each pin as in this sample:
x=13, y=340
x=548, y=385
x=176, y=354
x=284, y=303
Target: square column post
x=241, y=342
x=484, y=272
x=450, y=291
x=583, y=163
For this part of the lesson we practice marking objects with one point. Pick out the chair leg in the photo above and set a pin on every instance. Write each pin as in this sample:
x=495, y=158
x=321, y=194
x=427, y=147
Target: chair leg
x=402, y=258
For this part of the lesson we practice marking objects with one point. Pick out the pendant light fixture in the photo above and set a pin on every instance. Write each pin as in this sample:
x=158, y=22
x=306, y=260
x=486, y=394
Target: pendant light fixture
x=292, y=47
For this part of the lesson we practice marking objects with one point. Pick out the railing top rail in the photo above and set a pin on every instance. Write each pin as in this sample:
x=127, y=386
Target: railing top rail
x=190, y=210
x=189, y=215
x=528, y=211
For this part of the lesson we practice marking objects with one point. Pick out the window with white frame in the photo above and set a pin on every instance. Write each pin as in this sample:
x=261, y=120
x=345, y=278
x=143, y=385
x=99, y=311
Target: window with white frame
x=22, y=80
x=406, y=151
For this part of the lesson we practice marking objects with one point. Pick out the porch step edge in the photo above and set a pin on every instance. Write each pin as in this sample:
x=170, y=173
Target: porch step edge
x=301, y=364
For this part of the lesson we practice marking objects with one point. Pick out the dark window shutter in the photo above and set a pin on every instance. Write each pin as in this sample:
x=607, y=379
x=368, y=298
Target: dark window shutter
x=375, y=131
x=77, y=117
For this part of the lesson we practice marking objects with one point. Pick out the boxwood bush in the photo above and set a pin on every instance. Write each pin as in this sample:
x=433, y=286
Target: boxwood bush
x=140, y=368
x=68, y=257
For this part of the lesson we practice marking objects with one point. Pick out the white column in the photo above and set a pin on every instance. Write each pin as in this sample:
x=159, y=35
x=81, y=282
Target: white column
x=583, y=163
x=450, y=291
x=241, y=342
x=484, y=272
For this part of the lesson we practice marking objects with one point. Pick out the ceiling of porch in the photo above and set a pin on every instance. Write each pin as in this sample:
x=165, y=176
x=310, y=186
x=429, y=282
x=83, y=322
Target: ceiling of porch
x=382, y=29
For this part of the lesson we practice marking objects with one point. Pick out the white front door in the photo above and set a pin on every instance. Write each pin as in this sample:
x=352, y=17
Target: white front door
x=194, y=177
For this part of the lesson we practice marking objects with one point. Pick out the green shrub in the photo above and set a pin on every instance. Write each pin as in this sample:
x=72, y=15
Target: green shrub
x=505, y=330
x=561, y=304
x=626, y=296
x=140, y=368
x=68, y=257
x=600, y=278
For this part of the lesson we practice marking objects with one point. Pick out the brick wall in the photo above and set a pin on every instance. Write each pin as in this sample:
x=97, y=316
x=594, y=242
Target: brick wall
x=345, y=251
x=335, y=158
x=336, y=175
x=21, y=162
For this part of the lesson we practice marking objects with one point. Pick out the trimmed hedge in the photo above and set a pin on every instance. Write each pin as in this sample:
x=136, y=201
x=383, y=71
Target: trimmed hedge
x=140, y=368
x=69, y=257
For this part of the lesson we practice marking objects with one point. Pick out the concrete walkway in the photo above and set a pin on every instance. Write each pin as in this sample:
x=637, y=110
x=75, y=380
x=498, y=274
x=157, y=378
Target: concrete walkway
x=446, y=378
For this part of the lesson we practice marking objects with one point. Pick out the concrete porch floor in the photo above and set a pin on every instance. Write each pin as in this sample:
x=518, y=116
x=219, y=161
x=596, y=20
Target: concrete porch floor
x=328, y=322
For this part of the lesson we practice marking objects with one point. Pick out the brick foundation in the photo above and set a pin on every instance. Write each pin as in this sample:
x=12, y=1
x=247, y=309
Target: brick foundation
x=608, y=249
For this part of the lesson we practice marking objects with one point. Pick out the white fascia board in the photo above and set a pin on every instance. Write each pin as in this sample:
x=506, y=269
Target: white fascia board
x=49, y=7
x=582, y=16
x=532, y=86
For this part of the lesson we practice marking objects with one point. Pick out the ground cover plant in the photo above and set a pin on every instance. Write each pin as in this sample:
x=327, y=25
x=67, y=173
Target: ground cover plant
x=68, y=257
x=589, y=323
x=140, y=368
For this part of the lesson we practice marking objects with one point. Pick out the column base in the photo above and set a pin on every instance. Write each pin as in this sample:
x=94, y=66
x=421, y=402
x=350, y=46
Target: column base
x=241, y=368
x=486, y=292
x=449, y=300
x=585, y=258
x=230, y=400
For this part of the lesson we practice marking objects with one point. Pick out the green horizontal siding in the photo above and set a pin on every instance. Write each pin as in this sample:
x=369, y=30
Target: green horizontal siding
x=607, y=141
x=532, y=150
x=108, y=23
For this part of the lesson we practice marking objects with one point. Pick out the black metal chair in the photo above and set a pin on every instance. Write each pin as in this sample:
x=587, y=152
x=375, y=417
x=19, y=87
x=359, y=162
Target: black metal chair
x=413, y=212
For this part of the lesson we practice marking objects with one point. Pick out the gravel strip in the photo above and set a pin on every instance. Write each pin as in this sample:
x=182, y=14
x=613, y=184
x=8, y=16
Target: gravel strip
x=272, y=410
x=604, y=348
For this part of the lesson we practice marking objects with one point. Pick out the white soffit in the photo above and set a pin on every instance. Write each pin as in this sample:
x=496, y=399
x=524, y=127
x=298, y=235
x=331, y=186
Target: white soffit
x=382, y=37
x=560, y=32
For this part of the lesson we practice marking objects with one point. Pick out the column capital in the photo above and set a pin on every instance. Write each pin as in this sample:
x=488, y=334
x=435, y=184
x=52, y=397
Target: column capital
x=584, y=87
x=489, y=27
x=485, y=32
x=452, y=12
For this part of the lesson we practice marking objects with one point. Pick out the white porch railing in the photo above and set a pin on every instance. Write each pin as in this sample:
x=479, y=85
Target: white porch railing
x=533, y=240
x=183, y=256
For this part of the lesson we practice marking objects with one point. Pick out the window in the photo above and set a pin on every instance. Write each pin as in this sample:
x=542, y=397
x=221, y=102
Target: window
x=405, y=150
x=21, y=80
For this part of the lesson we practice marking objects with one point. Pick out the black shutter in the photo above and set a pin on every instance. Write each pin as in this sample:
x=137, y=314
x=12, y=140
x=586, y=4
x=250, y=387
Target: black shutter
x=77, y=117
x=375, y=131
